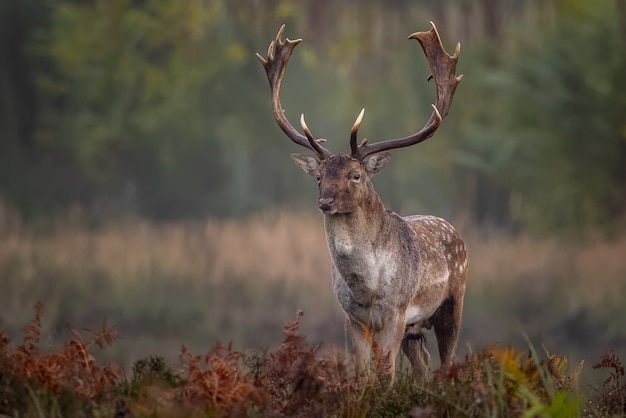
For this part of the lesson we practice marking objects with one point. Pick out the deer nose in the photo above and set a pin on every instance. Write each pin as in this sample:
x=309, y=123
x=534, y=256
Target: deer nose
x=325, y=203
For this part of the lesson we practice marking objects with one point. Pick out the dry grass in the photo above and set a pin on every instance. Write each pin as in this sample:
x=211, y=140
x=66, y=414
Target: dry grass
x=593, y=267
x=265, y=247
x=276, y=246
x=239, y=279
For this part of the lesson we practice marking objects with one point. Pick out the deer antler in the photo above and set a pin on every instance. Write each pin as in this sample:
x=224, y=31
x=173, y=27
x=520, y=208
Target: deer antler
x=443, y=68
x=278, y=55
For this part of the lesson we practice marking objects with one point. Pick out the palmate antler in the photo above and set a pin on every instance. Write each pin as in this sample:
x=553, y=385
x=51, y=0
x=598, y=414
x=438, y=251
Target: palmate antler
x=278, y=55
x=442, y=66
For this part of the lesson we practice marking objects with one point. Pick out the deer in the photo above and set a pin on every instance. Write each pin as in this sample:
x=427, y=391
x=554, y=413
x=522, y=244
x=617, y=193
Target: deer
x=393, y=276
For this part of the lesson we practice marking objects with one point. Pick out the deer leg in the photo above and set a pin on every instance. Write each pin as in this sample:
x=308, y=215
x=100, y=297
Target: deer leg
x=447, y=323
x=391, y=339
x=414, y=347
x=362, y=341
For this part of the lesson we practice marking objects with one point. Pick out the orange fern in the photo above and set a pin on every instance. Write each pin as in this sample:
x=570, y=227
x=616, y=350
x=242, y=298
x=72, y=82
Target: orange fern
x=216, y=381
x=71, y=368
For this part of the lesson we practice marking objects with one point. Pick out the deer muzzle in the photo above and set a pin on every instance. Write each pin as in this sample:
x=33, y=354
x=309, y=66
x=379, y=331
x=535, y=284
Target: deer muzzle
x=326, y=204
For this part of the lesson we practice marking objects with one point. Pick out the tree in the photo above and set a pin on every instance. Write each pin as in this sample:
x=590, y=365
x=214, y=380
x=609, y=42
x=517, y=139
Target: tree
x=556, y=137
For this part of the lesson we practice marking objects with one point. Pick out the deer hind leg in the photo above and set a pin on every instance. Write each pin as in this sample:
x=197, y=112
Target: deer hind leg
x=447, y=323
x=414, y=347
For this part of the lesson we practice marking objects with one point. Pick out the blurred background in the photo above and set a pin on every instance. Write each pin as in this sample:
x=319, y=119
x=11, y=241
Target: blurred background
x=144, y=180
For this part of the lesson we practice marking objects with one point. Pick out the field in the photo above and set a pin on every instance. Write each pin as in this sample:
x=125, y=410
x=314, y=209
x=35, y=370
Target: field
x=194, y=284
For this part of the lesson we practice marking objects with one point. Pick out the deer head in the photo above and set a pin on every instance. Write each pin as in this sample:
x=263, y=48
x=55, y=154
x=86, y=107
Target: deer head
x=344, y=180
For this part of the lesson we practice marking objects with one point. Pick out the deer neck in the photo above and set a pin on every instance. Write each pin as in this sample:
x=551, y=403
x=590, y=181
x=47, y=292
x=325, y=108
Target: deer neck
x=353, y=234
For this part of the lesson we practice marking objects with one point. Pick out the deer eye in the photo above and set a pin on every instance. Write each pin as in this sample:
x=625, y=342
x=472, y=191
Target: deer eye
x=317, y=177
x=356, y=177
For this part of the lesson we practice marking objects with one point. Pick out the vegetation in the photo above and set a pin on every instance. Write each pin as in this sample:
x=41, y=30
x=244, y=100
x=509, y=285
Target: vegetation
x=163, y=285
x=196, y=282
x=143, y=180
x=293, y=380
x=159, y=108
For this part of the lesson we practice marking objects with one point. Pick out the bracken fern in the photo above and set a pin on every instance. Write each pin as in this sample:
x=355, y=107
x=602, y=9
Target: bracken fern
x=293, y=380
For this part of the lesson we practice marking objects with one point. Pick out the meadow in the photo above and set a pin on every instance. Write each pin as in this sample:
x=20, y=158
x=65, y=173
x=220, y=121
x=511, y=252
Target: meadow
x=198, y=283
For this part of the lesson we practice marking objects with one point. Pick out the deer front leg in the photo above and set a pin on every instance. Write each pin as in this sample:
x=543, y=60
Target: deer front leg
x=362, y=337
x=390, y=341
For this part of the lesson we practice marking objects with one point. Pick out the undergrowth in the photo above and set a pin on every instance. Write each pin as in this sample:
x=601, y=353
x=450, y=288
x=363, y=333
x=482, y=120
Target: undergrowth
x=294, y=380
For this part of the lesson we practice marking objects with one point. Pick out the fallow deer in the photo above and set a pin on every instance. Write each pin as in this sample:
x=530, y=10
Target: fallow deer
x=393, y=275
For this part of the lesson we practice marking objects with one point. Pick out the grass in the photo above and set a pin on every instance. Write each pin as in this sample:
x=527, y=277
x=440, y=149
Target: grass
x=285, y=246
x=239, y=280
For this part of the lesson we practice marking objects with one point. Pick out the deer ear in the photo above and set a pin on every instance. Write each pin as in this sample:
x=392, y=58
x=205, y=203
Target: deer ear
x=309, y=164
x=377, y=162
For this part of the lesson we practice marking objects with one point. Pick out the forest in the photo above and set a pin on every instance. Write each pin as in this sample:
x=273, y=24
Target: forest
x=160, y=109
x=148, y=196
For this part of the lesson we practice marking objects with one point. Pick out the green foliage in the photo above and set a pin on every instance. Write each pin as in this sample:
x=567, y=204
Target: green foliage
x=147, y=372
x=558, y=142
x=127, y=102
x=134, y=84
x=159, y=107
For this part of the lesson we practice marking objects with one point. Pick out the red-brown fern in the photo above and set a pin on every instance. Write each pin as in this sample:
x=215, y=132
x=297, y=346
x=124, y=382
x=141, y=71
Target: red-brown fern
x=71, y=368
x=299, y=381
x=612, y=400
x=216, y=381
